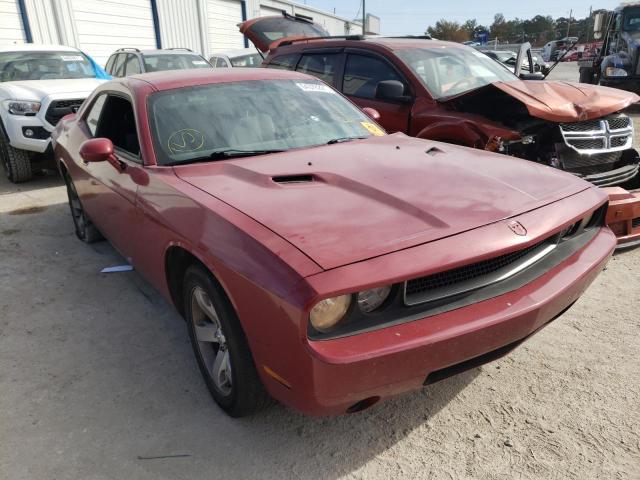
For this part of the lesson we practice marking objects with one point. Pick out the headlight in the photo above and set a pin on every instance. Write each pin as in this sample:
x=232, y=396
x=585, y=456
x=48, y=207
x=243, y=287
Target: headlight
x=615, y=72
x=327, y=313
x=369, y=300
x=18, y=107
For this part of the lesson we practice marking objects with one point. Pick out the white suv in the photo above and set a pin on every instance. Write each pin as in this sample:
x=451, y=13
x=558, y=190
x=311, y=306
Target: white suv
x=39, y=84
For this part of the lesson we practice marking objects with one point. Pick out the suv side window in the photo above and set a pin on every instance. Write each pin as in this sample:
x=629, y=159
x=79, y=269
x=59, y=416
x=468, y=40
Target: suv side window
x=109, y=64
x=118, y=124
x=321, y=65
x=118, y=66
x=221, y=63
x=94, y=114
x=133, y=65
x=285, y=62
x=363, y=73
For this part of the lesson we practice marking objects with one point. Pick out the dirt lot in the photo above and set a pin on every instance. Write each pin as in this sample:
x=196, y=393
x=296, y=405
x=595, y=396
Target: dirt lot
x=97, y=376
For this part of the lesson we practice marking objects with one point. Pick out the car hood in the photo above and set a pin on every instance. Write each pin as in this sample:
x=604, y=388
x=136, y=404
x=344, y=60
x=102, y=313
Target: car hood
x=345, y=203
x=567, y=101
x=36, y=90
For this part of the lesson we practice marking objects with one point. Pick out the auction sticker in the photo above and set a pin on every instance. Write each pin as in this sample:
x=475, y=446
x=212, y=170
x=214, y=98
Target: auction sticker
x=198, y=62
x=72, y=58
x=314, y=87
x=373, y=129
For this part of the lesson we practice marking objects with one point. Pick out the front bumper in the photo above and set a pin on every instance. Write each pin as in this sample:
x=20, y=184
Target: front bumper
x=14, y=127
x=623, y=216
x=613, y=177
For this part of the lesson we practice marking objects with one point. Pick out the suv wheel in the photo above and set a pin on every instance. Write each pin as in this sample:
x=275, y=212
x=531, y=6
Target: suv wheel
x=17, y=163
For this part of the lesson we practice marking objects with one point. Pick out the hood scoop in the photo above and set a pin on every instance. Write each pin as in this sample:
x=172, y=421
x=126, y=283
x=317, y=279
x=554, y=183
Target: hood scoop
x=294, y=179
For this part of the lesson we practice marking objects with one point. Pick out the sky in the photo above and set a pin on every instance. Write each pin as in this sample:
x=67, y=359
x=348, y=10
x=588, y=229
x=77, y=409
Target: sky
x=412, y=17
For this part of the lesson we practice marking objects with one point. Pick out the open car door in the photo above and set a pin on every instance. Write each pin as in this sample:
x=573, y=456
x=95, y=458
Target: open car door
x=267, y=32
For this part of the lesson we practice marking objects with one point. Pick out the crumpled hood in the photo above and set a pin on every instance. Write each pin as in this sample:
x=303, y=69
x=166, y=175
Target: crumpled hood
x=36, y=90
x=567, y=101
x=370, y=198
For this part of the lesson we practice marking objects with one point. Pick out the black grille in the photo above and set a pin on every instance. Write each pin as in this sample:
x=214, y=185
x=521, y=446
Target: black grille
x=616, y=123
x=618, y=142
x=587, y=126
x=587, y=143
x=635, y=223
x=468, y=272
x=589, y=164
x=59, y=108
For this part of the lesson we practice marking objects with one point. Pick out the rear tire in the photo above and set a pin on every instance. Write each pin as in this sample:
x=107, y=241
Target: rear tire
x=85, y=229
x=17, y=163
x=220, y=346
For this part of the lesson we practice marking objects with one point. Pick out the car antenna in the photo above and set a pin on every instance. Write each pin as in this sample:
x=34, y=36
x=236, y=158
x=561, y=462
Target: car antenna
x=559, y=59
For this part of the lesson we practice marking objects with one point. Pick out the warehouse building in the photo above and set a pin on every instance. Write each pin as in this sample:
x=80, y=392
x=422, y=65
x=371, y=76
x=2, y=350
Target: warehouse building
x=98, y=27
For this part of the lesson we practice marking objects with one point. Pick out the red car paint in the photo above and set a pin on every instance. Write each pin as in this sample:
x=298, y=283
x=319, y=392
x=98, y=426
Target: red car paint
x=363, y=222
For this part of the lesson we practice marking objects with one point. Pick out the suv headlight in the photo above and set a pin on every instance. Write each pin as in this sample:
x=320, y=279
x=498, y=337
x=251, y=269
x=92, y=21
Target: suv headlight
x=20, y=107
x=615, y=72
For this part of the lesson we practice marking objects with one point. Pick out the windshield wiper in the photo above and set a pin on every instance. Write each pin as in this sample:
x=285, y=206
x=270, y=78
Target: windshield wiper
x=344, y=139
x=225, y=154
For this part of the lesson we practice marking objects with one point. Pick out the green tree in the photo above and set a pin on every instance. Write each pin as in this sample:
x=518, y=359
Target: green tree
x=448, y=30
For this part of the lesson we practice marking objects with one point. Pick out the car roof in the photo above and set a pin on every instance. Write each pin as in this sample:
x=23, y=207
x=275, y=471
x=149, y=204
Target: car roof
x=34, y=47
x=390, y=43
x=171, y=79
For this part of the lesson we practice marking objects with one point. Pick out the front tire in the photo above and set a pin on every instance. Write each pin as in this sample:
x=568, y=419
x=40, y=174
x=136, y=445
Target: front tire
x=85, y=229
x=17, y=163
x=220, y=346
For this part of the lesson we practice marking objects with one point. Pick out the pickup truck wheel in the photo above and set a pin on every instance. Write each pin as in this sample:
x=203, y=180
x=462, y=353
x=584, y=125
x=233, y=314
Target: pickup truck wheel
x=220, y=346
x=85, y=229
x=17, y=163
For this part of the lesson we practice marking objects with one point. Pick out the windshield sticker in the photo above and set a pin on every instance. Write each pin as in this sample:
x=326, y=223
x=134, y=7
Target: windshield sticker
x=314, y=87
x=185, y=140
x=198, y=62
x=72, y=58
x=373, y=129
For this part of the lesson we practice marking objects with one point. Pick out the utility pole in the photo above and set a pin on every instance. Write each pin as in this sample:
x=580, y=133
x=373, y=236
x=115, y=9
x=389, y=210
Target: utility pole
x=569, y=22
x=364, y=17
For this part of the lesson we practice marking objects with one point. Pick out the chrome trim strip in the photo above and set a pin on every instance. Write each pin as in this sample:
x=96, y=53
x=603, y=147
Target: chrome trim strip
x=483, y=281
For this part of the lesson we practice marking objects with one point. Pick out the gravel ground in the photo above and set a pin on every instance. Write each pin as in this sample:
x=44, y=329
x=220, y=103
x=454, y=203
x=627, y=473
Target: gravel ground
x=97, y=381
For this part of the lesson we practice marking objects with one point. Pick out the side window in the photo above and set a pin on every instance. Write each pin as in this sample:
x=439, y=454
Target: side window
x=118, y=66
x=118, y=124
x=284, y=62
x=94, y=114
x=133, y=65
x=221, y=63
x=109, y=64
x=321, y=65
x=362, y=75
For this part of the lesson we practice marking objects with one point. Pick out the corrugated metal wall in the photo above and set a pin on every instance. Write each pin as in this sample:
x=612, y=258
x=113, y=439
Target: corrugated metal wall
x=180, y=24
x=101, y=26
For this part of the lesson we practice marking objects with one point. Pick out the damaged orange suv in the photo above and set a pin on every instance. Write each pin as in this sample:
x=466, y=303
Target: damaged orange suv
x=450, y=92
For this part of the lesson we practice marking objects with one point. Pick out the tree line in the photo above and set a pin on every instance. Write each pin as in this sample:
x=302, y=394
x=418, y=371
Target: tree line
x=537, y=30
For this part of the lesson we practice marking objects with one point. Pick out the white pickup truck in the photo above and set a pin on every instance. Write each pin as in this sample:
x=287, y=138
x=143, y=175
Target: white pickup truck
x=39, y=84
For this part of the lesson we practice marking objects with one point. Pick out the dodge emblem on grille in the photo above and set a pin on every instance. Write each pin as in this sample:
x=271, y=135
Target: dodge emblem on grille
x=517, y=228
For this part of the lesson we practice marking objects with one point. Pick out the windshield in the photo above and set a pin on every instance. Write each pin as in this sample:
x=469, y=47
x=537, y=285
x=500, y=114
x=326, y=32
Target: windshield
x=195, y=123
x=253, y=60
x=173, y=61
x=19, y=66
x=451, y=71
x=632, y=20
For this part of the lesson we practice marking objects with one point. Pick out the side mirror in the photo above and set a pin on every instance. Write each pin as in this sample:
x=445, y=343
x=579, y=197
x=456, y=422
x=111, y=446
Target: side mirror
x=372, y=113
x=96, y=150
x=392, y=90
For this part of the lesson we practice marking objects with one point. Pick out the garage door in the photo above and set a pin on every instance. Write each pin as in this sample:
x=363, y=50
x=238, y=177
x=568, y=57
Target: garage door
x=10, y=23
x=106, y=25
x=223, y=18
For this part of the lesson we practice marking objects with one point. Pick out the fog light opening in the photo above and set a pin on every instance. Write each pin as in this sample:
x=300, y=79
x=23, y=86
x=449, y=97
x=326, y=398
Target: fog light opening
x=363, y=404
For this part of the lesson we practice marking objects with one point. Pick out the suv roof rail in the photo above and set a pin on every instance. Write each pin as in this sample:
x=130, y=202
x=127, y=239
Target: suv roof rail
x=417, y=37
x=333, y=37
x=125, y=49
x=180, y=48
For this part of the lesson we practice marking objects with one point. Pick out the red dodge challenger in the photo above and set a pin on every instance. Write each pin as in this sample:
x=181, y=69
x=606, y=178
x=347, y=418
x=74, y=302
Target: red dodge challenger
x=316, y=259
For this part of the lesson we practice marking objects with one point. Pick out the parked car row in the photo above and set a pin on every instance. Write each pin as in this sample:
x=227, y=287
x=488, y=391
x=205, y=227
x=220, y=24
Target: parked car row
x=330, y=256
